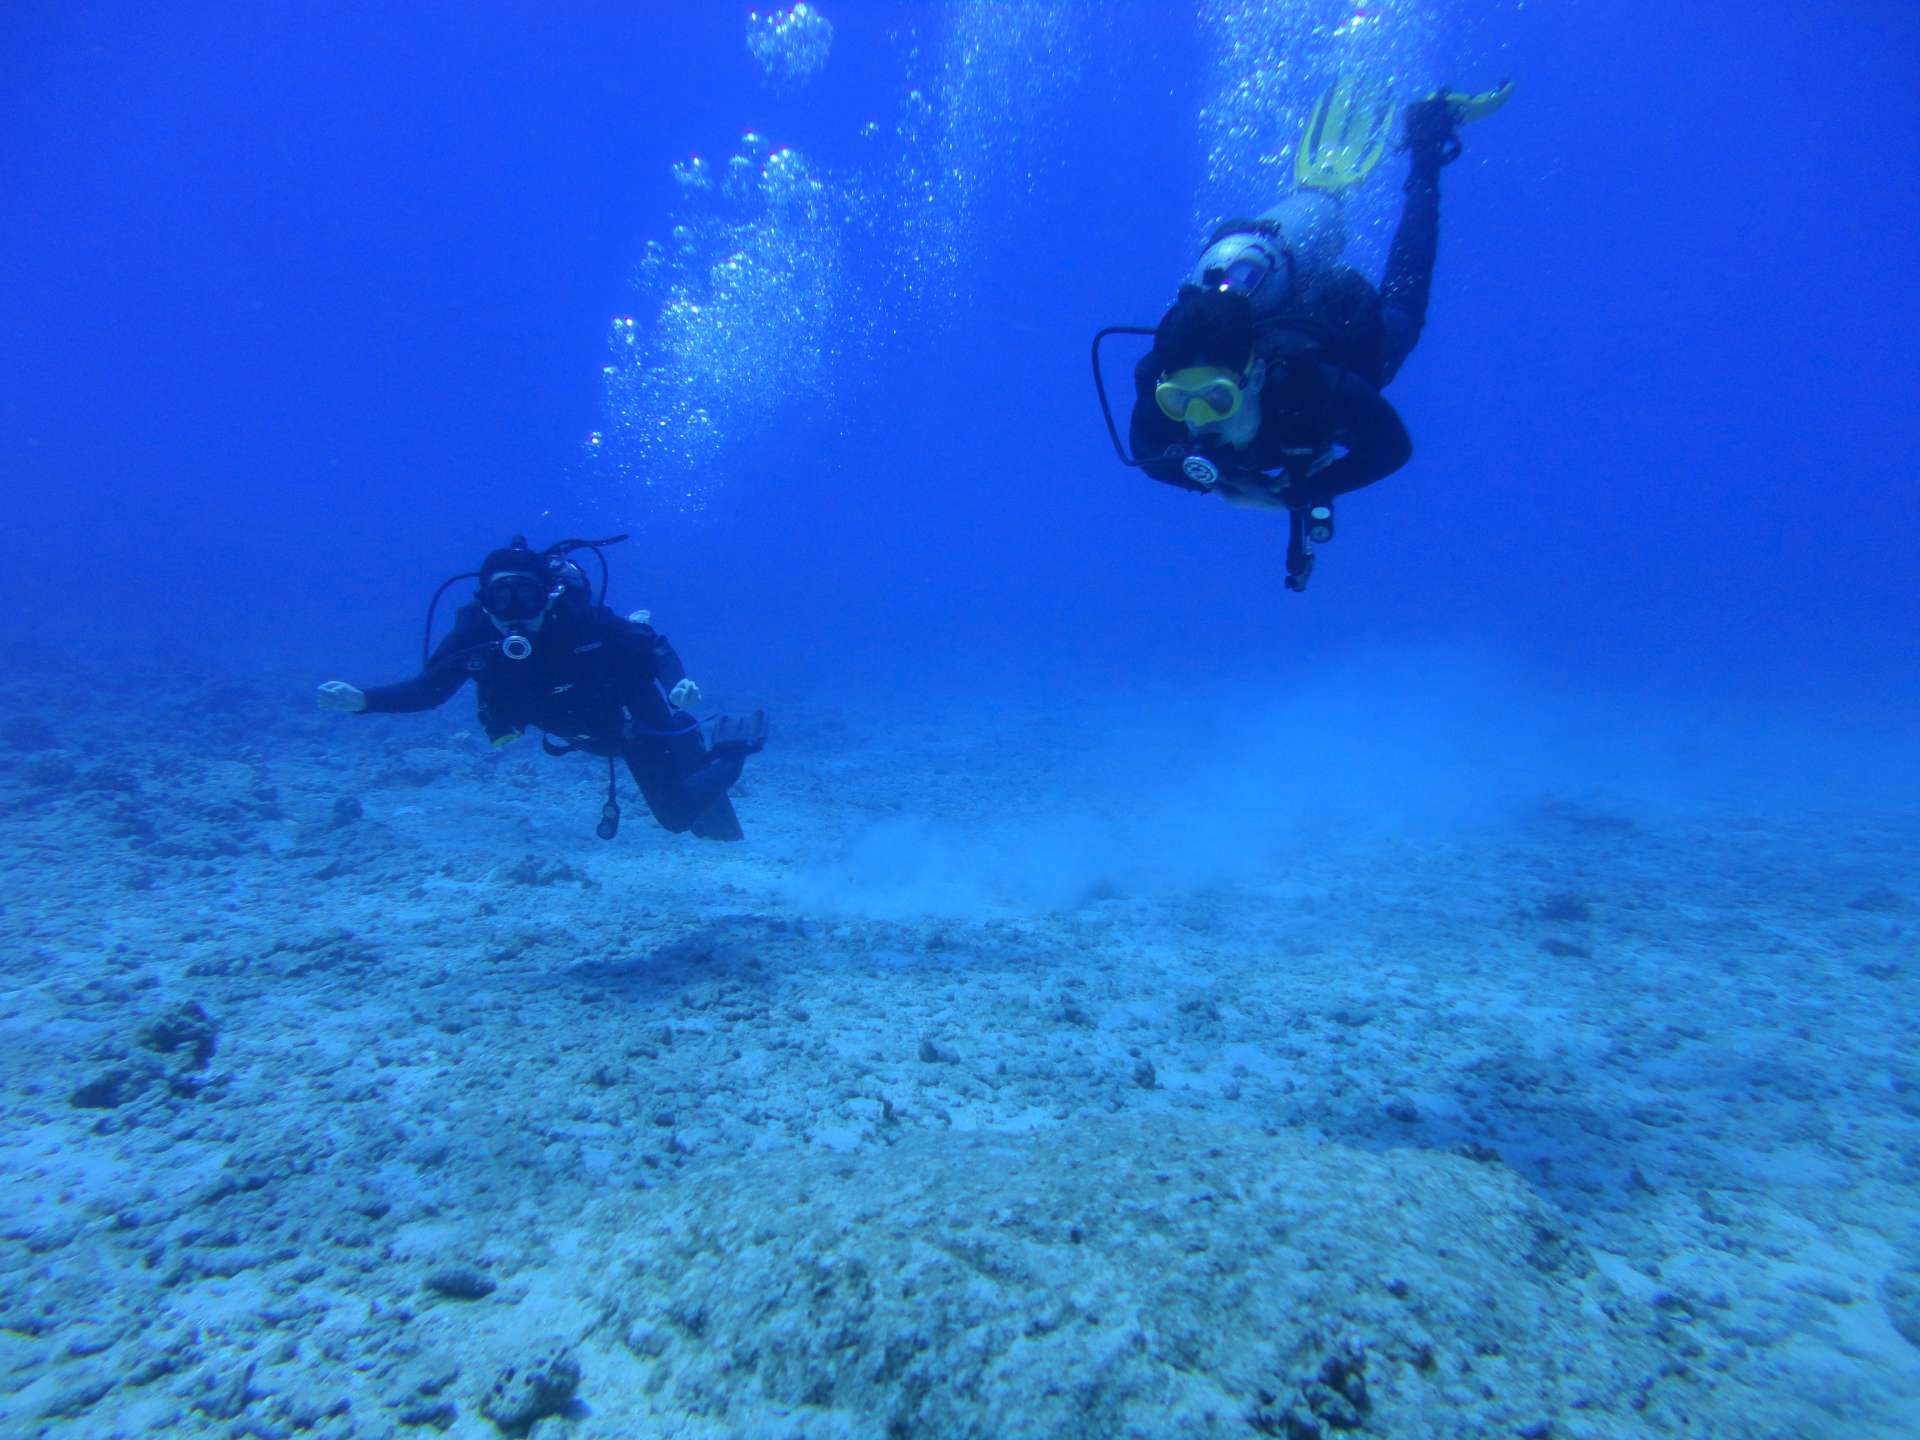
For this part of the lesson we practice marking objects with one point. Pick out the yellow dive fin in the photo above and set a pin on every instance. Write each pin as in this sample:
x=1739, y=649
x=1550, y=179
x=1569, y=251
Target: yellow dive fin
x=1346, y=135
x=1475, y=107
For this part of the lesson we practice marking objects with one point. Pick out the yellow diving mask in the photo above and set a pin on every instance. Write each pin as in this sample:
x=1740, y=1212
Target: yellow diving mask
x=1201, y=394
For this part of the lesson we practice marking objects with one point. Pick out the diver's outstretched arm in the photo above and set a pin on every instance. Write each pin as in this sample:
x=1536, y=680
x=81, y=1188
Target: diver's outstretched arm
x=446, y=671
x=1429, y=140
x=443, y=674
x=1416, y=241
x=1409, y=277
x=432, y=687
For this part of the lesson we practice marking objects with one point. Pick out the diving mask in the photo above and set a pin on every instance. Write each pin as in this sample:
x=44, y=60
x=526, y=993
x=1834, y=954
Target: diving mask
x=512, y=598
x=1201, y=394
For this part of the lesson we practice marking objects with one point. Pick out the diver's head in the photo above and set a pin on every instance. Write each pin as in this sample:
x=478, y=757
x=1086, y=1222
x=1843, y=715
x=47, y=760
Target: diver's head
x=517, y=590
x=1209, y=375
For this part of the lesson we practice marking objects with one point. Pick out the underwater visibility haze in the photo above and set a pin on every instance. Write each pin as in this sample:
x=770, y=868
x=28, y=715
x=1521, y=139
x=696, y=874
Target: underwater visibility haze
x=950, y=933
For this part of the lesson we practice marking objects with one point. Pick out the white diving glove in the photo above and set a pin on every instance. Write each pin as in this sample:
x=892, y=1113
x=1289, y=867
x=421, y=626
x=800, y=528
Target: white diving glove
x=684, y=694
x=339, y=695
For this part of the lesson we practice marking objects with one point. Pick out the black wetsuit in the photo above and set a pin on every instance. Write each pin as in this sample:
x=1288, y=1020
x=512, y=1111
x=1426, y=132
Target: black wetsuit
x=594, y=682
x=1326, y=366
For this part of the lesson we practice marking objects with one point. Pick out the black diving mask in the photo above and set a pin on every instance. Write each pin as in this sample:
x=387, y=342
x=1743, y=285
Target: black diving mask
x=515, y=599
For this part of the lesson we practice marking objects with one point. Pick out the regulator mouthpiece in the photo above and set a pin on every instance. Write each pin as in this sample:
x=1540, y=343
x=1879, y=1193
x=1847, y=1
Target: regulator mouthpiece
x=516, y=647
x=1200, y=470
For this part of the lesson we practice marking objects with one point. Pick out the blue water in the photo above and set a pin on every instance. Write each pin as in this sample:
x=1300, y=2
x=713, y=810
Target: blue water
x=312, y=306
x=306, y=307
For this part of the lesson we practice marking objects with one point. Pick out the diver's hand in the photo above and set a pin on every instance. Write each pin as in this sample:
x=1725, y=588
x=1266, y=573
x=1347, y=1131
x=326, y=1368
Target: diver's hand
x=1429, y=130
x=684, y=694
x=339, y=695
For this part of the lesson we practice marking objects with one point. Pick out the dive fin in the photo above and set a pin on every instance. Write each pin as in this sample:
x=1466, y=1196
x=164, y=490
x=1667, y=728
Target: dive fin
x=1345, y=136
x=719, y=822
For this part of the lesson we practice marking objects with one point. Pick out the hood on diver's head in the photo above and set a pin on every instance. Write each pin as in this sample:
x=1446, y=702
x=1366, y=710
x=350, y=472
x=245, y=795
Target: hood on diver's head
x=515, y=558
x=1205, y=327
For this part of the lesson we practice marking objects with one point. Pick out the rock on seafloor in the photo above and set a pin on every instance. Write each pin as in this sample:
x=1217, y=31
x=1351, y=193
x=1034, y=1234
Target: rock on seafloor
x=1164, y=1276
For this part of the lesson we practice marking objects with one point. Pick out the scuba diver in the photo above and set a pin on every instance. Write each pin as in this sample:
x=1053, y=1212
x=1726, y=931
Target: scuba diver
x=1263, y=384
x=543, y=651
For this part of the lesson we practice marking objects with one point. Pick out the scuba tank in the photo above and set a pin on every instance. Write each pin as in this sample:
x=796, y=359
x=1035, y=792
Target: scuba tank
x=1253, y=262
x=1272, y=259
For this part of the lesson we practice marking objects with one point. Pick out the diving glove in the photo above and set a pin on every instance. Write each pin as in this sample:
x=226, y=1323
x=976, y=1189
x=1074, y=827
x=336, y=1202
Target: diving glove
x=339, y=695
x=1428, y=126
x=1429, y=132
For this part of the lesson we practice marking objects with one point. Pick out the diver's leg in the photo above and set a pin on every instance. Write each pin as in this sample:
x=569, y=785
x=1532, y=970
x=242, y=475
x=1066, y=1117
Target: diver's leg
x=683, y=785
x=655, y=782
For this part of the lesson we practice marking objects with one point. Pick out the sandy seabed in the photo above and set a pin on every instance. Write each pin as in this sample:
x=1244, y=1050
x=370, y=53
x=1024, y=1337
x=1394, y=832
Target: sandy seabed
x=354, y=1089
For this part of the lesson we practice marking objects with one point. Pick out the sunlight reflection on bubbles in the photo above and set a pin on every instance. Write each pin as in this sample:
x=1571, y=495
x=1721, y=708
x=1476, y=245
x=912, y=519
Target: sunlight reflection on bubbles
x=742, y=296
x=748, y=306
x=995, y=74
x=790, y=45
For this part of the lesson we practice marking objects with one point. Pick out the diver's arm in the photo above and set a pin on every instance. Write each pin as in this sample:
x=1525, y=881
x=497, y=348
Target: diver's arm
x=1369, y=427
x=663, y=660
x=651, y=671
x=433, y=686
x=1351, y=309
x=446, y=671
x=1408, y=281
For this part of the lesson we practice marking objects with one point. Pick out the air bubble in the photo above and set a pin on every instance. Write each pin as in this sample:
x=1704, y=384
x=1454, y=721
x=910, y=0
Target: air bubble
x=791, y=46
